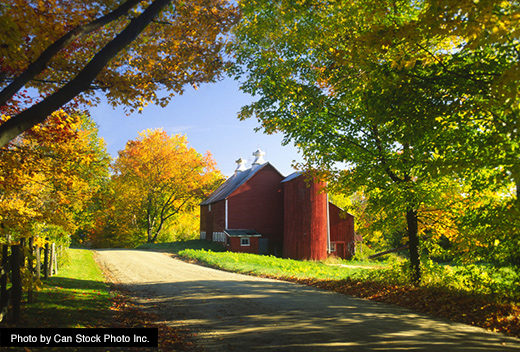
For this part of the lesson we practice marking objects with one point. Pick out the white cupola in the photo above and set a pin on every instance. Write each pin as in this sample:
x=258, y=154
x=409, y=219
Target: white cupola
x=259, y=157
x=241, y=165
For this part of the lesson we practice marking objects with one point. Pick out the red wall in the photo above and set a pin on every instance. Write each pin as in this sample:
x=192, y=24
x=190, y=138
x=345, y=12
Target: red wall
x=234, y=245
x=214, y=220
x=342, y=231
x=305, y=216
x=258, y=205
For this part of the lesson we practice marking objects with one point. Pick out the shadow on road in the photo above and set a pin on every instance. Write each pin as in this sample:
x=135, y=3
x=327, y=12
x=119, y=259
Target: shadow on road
x=251, y=315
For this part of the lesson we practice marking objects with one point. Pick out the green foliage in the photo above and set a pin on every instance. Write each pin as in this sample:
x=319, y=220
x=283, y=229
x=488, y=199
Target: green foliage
x=422, y=117
x=479, y=279
x=501, y=282
x=363, y=252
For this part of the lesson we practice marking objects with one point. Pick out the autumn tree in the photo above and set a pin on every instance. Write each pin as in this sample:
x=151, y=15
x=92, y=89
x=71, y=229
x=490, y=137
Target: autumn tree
x=49, y=175
x=398, y=98
x=157, y=176
x=126, y=49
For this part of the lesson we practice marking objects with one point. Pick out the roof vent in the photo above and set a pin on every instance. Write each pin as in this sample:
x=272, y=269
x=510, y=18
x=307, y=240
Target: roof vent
x=241, y=165
x=259, y=157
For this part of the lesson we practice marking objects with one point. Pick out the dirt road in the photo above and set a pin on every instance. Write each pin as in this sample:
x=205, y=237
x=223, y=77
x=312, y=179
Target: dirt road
x=231, y=312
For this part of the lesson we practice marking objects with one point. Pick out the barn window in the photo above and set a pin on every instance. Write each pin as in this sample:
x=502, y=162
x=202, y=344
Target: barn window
x=244, y=241
x=333, y=246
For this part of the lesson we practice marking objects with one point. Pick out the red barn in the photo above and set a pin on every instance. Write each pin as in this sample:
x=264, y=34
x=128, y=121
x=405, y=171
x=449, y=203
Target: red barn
x=341, y=228
x=257, y=210
x=250, y=200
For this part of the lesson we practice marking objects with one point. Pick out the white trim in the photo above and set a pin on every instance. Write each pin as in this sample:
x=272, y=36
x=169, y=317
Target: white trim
x=219, y=237
x=226, y=215
x=243, y=244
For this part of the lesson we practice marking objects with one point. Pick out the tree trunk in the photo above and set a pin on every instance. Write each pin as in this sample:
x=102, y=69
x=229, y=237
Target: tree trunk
x=149, y=230
x=413, y=240
x=156, y=234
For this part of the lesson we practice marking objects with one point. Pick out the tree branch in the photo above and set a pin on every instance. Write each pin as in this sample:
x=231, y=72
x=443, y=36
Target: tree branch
x=379, y=146
x=39, y=112
x=41, y=62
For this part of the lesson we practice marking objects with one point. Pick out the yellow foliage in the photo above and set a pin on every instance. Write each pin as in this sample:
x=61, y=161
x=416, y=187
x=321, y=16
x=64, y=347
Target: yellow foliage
x=157, y=179
x=43, y=175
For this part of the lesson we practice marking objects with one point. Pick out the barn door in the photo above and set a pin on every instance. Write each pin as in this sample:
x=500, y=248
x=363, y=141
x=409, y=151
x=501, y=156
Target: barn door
x=263, y=246
x=340, y=250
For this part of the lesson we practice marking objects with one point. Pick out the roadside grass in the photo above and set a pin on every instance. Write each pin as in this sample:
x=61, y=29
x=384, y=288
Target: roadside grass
x=274, y=267
x=78, y=297
x=75, y=298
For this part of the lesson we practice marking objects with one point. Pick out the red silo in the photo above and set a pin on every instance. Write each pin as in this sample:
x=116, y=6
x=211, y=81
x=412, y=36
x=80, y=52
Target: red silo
x=305, y=218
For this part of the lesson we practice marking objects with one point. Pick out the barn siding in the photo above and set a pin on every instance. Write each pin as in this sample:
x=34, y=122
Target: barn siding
x=234, y=245
x=305, y=225
x=258, y=205
x=214, y=220
x=342, y=231
x=290, y=215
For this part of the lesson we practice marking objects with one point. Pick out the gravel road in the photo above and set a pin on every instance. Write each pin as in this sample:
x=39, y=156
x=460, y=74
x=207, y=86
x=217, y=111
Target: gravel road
x=231, y=312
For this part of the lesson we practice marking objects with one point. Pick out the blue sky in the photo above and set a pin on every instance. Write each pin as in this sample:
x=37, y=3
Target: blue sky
x=208, y=117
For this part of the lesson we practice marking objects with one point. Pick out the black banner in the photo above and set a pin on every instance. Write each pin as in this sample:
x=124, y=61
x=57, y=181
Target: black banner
x=81, y=337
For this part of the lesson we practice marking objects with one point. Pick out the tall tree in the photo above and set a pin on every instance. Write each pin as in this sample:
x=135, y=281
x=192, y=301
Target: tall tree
x=128, y=50
x=159, y=176
x=49, y=174
x=382, y=95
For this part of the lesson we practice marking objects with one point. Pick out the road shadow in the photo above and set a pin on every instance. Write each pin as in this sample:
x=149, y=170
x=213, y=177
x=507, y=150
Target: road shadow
x=252, y=315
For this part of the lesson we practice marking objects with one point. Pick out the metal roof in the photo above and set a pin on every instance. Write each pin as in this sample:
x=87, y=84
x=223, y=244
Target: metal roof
x=293, y=176
x=242, y=233
x=232, y=183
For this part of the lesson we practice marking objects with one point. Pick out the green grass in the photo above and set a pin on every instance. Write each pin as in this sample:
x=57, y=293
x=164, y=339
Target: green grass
x=76, y=297
x=501, y=283
x=277, y=267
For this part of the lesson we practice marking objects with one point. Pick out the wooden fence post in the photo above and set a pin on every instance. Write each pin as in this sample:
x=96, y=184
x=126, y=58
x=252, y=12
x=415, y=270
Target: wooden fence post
x=16, y=256
x=46, y=266
x=30, y=257
x=3, y=278
x=38, y=262
x=54, y=263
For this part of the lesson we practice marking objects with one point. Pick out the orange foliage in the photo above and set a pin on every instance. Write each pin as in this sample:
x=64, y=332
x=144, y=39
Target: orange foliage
x=44, y=175
x=157, y=177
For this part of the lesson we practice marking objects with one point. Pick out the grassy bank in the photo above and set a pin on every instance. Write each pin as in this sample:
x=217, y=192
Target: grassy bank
x=273, y=267
x=76, y=297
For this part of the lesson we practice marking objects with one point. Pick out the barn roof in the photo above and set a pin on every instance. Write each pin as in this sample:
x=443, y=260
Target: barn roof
x=232, y=183
x=292, y=176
